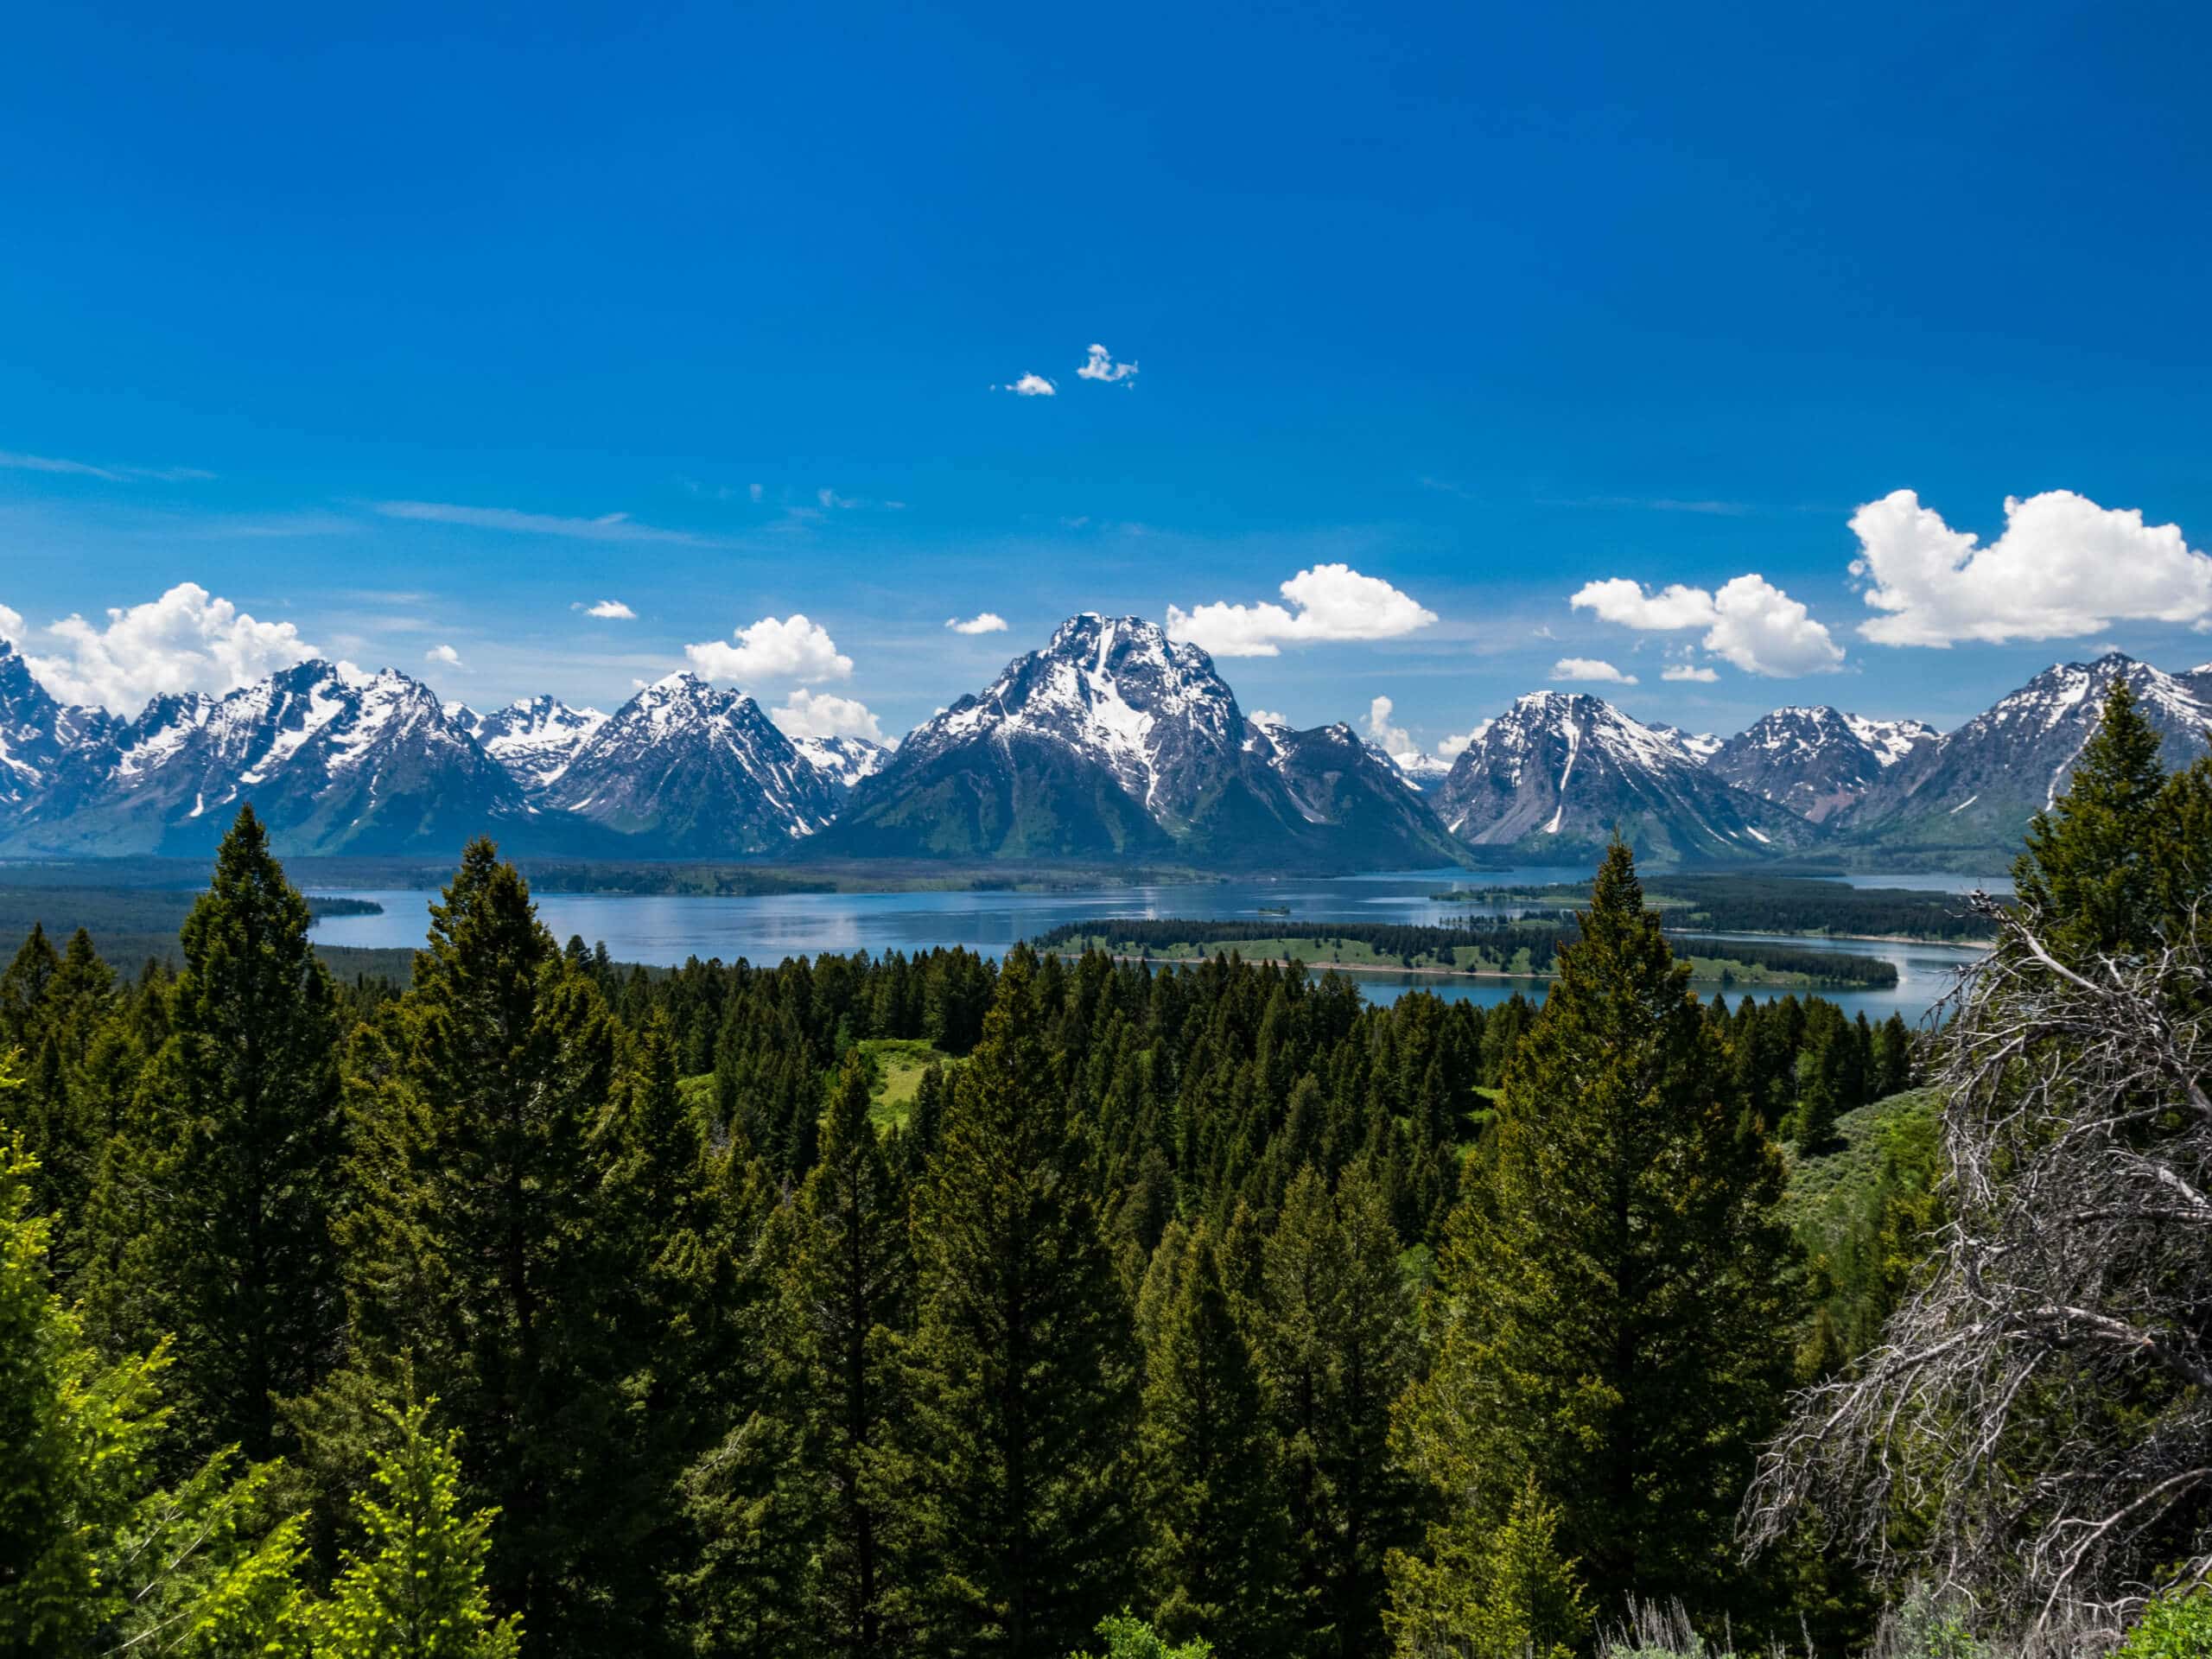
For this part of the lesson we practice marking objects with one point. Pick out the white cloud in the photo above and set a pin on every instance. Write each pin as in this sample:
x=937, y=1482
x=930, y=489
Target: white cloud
x=831, y=501
x=1688, y=671
x=1395, y=738
x=1747, y=621
x=792, y=648
x=1333, y=601
x=2063, y=566
x=807, y=714
x=445, y=654
x=1267, y=717
x=1030, y=386
x=11, y=625
x=612, y=610
x=984, y=622
x=1589, y=668
x=1100, y=365
x=1459, y=743
x=185, y=640
x=112, y=474
x=608, y=527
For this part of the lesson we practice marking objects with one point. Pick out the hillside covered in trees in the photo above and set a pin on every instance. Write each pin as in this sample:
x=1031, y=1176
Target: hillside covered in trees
x=539, y=1305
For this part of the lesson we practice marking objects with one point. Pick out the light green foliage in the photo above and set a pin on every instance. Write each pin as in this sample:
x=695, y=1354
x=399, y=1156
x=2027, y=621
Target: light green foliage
x=1129, y=1637
x=2174, y=1626
x=415, y=1588
x=1489, y=1593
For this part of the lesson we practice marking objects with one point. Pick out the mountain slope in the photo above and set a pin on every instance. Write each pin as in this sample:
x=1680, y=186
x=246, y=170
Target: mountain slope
x=533, y=739
x=1818, y=762
x=38, y=732
x=1973, y=790
x=1562, y=771
x=1114, y=741
x=333, y=759
x=685, y=768
x=843, y=760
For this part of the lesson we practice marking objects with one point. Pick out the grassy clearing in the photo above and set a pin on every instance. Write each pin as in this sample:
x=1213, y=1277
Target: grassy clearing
x=896, y=1064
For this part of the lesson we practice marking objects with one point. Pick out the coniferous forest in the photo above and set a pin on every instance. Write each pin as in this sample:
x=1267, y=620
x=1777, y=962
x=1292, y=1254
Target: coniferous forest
x=544, y=1305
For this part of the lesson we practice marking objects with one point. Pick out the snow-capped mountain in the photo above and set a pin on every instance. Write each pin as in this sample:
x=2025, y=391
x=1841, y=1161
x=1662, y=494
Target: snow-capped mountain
x=843, y=760
x=1417, y=767
x=1111, y=740
x=1564, y=769
x=532, y=739
x=1819, y=761
x=331, y=758
x=1975, y=788
x=1700, y=746
x=37, y=731
x=686, y=767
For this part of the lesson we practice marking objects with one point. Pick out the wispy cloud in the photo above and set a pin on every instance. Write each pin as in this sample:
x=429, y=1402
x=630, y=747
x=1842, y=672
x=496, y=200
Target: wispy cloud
x=1099, y=365
x=609, y=527
x=110, y=472
x=1655, y=504
x=987, y=622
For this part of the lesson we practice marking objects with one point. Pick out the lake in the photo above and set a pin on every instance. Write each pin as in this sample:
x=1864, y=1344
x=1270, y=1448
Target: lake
x=666, y=929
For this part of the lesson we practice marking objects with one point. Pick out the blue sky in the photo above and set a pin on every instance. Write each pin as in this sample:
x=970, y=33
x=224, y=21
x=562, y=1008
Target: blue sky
x=367, y=322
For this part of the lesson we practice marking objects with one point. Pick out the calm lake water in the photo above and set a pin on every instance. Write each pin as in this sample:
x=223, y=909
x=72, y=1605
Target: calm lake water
x=666, y=929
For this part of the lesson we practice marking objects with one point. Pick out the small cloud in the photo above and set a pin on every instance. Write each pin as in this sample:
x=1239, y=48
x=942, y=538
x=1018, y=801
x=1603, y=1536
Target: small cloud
x=608, y=527
x=831, y=501
x=1030, y=386
x=1333, y=601
x=1590, y=669
x=1457, y=745
x=1269, y=719
x=445, y=654
x=1747, y=621
x=1395, y=739
x=810, y=714
x=986, y=622
x=790, y=648
x=1543, y=631
x=11, y=625
x=756, y=492
x=110, y=473
x=1100, y=365
x=1688, y=671
x=613, y=610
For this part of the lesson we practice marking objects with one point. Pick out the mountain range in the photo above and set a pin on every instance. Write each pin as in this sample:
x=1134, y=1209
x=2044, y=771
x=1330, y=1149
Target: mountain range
x=1109, y=743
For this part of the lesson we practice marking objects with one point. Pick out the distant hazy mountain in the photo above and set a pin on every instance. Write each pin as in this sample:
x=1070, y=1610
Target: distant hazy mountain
x=335, y=761
x=1564, y=770
x=688, y=768
x=1819, y=762
x=1973, y=790
x=1114, y=741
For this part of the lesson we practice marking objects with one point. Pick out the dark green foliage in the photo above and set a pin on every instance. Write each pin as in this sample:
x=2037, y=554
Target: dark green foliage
x=2089, y=866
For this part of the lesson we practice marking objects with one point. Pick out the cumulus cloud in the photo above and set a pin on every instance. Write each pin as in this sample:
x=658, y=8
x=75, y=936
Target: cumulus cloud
x=1100, y=365
x=1690, y=672
x=1329, y=601
x=1030, y=385
x=445, y=654
x=808, y=713
x=612, y=610
x=2063, y=566
x=1590, y=669
x=791, y=648
x=11, y=625
x=608, y=527
x=1395, y=738
x=1459, y=743
x=982, y=622
x=186, y=641
x=1268, y=717
x=1747, y=621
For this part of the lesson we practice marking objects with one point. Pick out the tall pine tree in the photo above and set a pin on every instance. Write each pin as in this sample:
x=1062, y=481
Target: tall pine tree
x=1616, y=1293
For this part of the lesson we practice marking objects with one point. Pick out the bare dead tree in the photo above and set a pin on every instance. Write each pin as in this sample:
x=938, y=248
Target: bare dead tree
x=2033, y=1433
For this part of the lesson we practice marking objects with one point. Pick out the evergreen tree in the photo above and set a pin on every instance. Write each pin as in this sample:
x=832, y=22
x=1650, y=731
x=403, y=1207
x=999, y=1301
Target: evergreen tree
x=2089, y=869
x=1501, y=1594
x=415, y=1589
x=476, y=1248
x=853, y=1281
x=1021, y=1373
x=243, y=1102
x=1616, y=1293
x=1218, y=1558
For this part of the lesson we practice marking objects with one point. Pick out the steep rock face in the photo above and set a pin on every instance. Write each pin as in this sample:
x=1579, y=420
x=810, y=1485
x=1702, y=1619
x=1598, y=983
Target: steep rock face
x=38, y=732
x=1974, y=791
x=534, y=739
x=333, y=759
x=843, y=760
x=1563, y=770
x=1819, y=762
x=691, y=769
x=1112, y=741
x=1700, y=746
x=1363, y=795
